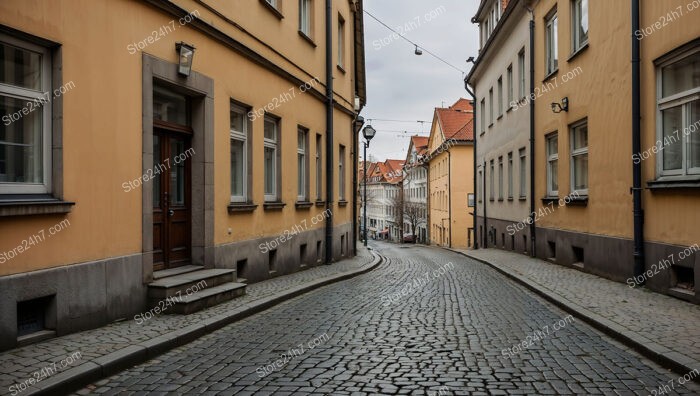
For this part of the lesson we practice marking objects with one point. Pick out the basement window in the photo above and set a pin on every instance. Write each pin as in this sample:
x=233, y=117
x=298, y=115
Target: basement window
x=552, y=251
x=302, y=255
x=578, y=256
x=33, y=321
x=319, y=256
x=272, y=262
x=241, y=268
x=683, y=280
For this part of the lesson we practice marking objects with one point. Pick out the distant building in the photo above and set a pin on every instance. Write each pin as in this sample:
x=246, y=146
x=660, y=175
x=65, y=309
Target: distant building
x=451, y=175
x=384, y=180
x=415, y=189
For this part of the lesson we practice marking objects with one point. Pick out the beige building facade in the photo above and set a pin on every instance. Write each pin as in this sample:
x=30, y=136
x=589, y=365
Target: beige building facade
x=124, y=166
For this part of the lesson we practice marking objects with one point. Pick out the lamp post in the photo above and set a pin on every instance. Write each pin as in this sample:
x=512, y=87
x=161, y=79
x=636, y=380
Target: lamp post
x=368, y=133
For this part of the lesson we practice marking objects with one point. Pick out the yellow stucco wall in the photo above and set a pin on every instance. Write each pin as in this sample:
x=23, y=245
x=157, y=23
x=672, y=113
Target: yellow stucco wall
x=597, y=82
x=102, y=124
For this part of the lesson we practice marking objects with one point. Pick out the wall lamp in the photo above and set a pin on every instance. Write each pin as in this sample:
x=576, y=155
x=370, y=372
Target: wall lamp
x=564, y=106
x=185, y=55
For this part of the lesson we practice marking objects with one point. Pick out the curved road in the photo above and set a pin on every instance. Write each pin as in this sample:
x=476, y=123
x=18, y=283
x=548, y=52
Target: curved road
x=427, y=321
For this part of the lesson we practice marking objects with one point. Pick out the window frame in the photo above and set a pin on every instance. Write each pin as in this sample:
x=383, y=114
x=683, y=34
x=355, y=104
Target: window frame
x=245, y=137
x=500, y=178
x=341, y=42
x=683, y=100
x=551, y=42
x=491, y=107
x=510, y=175
x=341, y=172
x=318, y=156
x=576, y=153
x=305, y=10
x=522, y=154
x=499, y=96
x=522, y=82
x=509, y=83
x=551, y=158
x=492, y=181
x=303, y=173
x=273, y=144
x=31, y=95
x=483, y=115
x=576, y=42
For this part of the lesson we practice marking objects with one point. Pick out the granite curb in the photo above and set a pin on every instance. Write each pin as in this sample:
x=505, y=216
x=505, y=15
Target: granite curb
x=665, y=357
x=132, y=355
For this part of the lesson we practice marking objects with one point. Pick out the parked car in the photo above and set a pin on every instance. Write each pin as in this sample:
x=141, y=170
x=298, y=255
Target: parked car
x=409, y=238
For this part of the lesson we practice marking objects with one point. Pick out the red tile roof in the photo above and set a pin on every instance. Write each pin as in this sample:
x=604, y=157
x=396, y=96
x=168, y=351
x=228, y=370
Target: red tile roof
x=457, y=120
x=420, y=143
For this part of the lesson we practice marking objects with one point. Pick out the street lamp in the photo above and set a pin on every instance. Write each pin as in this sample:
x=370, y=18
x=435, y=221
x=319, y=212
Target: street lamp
x=368, y=133
x=185, y=55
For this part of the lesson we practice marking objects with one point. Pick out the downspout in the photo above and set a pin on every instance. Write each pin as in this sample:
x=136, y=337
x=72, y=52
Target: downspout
x=329, y=132
x=638, y=212
x=486, y=219
x=355, y=186
x=533, y=248
x=449, y=194
x=476, y=181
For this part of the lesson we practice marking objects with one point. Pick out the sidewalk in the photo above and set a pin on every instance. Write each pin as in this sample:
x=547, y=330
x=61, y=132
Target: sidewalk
x=663, y=328
x=107, y=350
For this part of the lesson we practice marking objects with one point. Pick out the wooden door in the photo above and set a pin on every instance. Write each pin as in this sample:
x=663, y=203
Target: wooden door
x=171, y=199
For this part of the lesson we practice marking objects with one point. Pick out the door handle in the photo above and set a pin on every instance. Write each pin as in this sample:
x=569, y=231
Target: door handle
x=171, y=212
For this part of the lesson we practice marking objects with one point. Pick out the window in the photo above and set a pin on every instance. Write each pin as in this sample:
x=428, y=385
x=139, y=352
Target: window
x=239, y=154
x=679, y=115
x=509, y=81
x=523, y=173
x=500, y=96
x=551, y=44
x=319, y=169
x=302, y=167
x=510, y=175
x=521, y=73
x=491, y=181
x=25, y=139
x=341, y=41
x=483, y=115
x=500, y=178
x=305, y=17
x=479, y=182
x=552, y=142
x=579, y=158
x=579, y=27
x=490, y=107
x=272, y=3
x=341, y=173
x=271, y=144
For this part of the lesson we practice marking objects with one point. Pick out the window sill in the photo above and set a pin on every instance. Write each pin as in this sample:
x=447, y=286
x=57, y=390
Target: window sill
x=274, y=205
x=674, y=183
x=342, y=203
x=500, y=199
x=27, y=205
x=510, y=199
x=241, y=207
x=578, y=51
x=499, y=117
x=522, y=198
x=307, y=38
x=491, y=199
x=320, y=203
x=303, y=204
x=341, y=68
x=549, y=199
x=272, y=9
x=550, y=75
x=577, y=201
x=510, y=108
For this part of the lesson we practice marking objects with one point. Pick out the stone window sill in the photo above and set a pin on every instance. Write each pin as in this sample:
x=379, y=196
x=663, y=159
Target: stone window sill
x=671, y=183
x=342, y=203
x=274, y=205
x=27, y=205
x=307, y=38
x=320, y=203
x=272, y=9
x=303, y=204
x=241, y=207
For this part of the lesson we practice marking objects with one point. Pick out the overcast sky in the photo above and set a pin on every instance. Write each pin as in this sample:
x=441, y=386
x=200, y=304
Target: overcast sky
x=403, y=86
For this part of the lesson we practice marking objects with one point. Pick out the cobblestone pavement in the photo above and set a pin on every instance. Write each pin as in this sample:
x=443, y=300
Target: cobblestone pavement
x=427, y=321
x=18, y=365
x=671, y=323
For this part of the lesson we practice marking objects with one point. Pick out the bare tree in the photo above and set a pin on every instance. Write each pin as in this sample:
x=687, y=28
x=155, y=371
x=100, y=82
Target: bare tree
x=413, y=213
x=397, y=203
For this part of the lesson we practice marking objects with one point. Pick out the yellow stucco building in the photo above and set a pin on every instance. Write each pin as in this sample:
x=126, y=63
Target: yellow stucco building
x=118, y=163
x=450, y=158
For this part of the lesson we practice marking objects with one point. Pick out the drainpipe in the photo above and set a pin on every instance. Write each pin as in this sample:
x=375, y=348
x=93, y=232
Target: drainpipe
x=449, y=194
x=636, y=147
x=486, y=219
x=329, y=131
x=533, y=248
x=476, y=199
x=355, y=187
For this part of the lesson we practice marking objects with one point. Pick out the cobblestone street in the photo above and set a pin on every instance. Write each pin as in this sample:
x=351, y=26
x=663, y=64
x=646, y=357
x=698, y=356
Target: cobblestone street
x=427, y=321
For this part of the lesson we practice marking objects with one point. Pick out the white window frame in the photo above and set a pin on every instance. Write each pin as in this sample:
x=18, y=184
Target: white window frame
x=551, y=159
x=274, y=145
x=492, y=181
x=510, y=175
x=273, y=3
x=305, y=17
x=500, y=96
x=683, y=100
x=509, y=82
x=551, y=43
x=31, y=95
x=575, y=153
x=500, y=178
x=491, y=107
x=523, y=172
x=341, y=41
x=521, y=74
x=243, y=137
x=319, y=168
x=577, y=20
x=302, y=182
x=341, y=172
x=483, y=115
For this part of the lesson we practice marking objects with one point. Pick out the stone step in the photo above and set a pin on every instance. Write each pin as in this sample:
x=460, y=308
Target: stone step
x=206, y=298
x=176, y=271
x=177, y=285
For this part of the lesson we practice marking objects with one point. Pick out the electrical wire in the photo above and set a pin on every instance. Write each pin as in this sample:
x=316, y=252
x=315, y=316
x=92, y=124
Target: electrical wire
x=417, y=46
